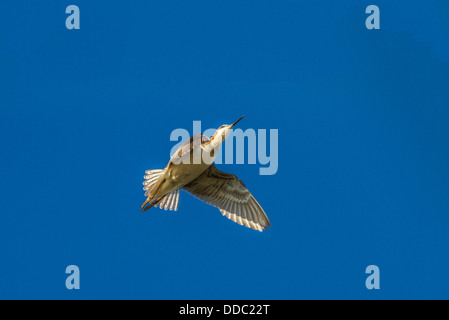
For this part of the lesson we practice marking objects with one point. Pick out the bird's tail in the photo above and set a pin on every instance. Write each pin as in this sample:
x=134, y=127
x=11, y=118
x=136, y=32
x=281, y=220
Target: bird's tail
x=151, y=177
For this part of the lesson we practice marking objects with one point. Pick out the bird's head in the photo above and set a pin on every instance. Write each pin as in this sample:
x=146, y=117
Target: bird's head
x=224, y=130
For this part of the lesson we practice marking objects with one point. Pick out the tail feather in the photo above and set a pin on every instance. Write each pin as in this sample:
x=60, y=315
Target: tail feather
x=169, y=201
x=151, y=178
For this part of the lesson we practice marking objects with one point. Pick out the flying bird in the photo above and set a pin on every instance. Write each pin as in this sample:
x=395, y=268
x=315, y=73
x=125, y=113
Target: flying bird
x=203, y=180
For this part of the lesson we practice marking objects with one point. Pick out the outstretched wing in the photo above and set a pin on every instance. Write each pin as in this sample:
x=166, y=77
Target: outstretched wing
x=226, y=192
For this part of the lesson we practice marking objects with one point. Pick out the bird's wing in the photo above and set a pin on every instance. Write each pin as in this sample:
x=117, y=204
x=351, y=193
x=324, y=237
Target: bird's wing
x=226, y=192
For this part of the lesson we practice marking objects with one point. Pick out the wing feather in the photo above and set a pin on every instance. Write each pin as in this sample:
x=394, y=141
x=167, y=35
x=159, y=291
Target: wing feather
x=226, y=192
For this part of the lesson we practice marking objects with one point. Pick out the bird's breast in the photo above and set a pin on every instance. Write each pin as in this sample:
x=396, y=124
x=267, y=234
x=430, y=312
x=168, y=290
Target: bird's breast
x=182, y=174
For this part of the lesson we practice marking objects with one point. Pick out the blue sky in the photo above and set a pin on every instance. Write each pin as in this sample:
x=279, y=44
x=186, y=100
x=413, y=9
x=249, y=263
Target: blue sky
x=363, y=126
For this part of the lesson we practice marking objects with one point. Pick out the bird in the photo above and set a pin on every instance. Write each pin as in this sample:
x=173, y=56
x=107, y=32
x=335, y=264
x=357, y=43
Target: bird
x=204, y=181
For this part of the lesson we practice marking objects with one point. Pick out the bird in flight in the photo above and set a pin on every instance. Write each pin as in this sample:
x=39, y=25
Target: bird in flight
x=191, y=168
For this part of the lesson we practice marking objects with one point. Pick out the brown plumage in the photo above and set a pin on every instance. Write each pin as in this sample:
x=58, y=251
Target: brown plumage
x=203, y=180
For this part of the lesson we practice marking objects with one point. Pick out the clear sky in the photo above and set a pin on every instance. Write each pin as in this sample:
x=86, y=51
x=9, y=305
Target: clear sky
x=363, y=122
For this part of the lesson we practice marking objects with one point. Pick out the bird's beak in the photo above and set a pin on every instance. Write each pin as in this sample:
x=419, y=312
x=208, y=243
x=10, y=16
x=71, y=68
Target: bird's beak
x=237, y=121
